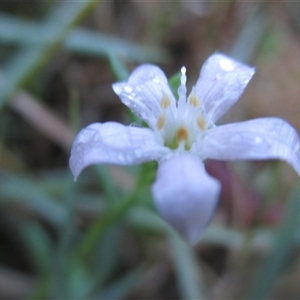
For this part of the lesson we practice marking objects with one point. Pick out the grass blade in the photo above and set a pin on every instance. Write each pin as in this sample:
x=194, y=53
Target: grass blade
x=284, y=240
x=14, y=31
x=186, y=268
x=26, y=63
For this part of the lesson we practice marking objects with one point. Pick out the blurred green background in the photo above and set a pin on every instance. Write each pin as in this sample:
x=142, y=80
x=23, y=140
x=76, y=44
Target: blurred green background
x=101, y=238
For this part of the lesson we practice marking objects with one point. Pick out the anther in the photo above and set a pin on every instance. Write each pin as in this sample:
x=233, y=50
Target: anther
x=161, y=122
x=182, y=134
x=201, y=123
x=194, y=100
x=165, y=102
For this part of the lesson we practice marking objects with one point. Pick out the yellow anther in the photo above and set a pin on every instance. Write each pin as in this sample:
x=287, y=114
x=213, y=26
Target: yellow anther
x=161, y=122
x=165, y=102
x=194, y=100
x=182, y=134
x=201, y=123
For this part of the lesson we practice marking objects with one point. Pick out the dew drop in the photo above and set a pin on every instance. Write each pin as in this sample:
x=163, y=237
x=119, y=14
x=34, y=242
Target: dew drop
x=258, y=140
x=226, y=64
x=128, y=88
x=117, y=89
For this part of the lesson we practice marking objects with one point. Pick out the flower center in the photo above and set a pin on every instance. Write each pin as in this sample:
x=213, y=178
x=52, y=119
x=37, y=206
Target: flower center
x=180, y=124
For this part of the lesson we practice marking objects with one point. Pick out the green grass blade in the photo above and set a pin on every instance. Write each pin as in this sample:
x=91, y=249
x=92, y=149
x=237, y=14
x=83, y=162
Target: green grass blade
x=23, y=190
x=120, y=288
x=80, y=282
x=41, y=249
x=276, y=260
x=250, y=35
x=98, y=44
x=186, y=268
x=108, y=254
x=108, y=185
x=184, y=260
x=14, y=31
x=22, y=67
x=100, y=227
x=145, y=219
x=118, y=67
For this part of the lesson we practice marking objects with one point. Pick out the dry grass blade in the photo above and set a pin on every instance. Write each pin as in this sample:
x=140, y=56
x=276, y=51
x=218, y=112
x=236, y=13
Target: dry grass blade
x=14, y=285
x=43, y=119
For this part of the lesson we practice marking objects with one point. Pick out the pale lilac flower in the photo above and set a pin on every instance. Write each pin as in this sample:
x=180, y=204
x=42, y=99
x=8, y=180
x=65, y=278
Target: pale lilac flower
x=182, y=134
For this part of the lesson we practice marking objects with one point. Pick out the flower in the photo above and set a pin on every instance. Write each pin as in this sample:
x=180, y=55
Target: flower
x=182, y=134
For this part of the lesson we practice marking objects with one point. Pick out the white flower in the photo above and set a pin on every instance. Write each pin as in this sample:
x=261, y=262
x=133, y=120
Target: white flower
x=182, y=134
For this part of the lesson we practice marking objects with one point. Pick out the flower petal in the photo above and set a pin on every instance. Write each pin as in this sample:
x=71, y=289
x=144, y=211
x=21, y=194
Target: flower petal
x=113, y=143
x=222, y=81
x=264, y=138
x=143, y=92
x=185, y=195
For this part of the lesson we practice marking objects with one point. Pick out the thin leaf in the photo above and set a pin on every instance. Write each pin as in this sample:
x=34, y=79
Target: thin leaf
x=284, y=240
x=82, y=41
x=250, y=35
x=40, y=247
x=261, y=239
x=118, y=67
x=80, y=282
x=28, y=61
x=187, y=269
x=20, y=189
x=100, y=227
x=143, y=218
x=185, y=262
x=120, y=288
x=107, y=255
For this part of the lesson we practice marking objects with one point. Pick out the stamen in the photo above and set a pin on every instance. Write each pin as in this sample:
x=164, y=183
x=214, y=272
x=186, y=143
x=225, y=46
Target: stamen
x=182, y=134
x=165, y=102
x=201, y=123
x=161, y=122
x=194, y=100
